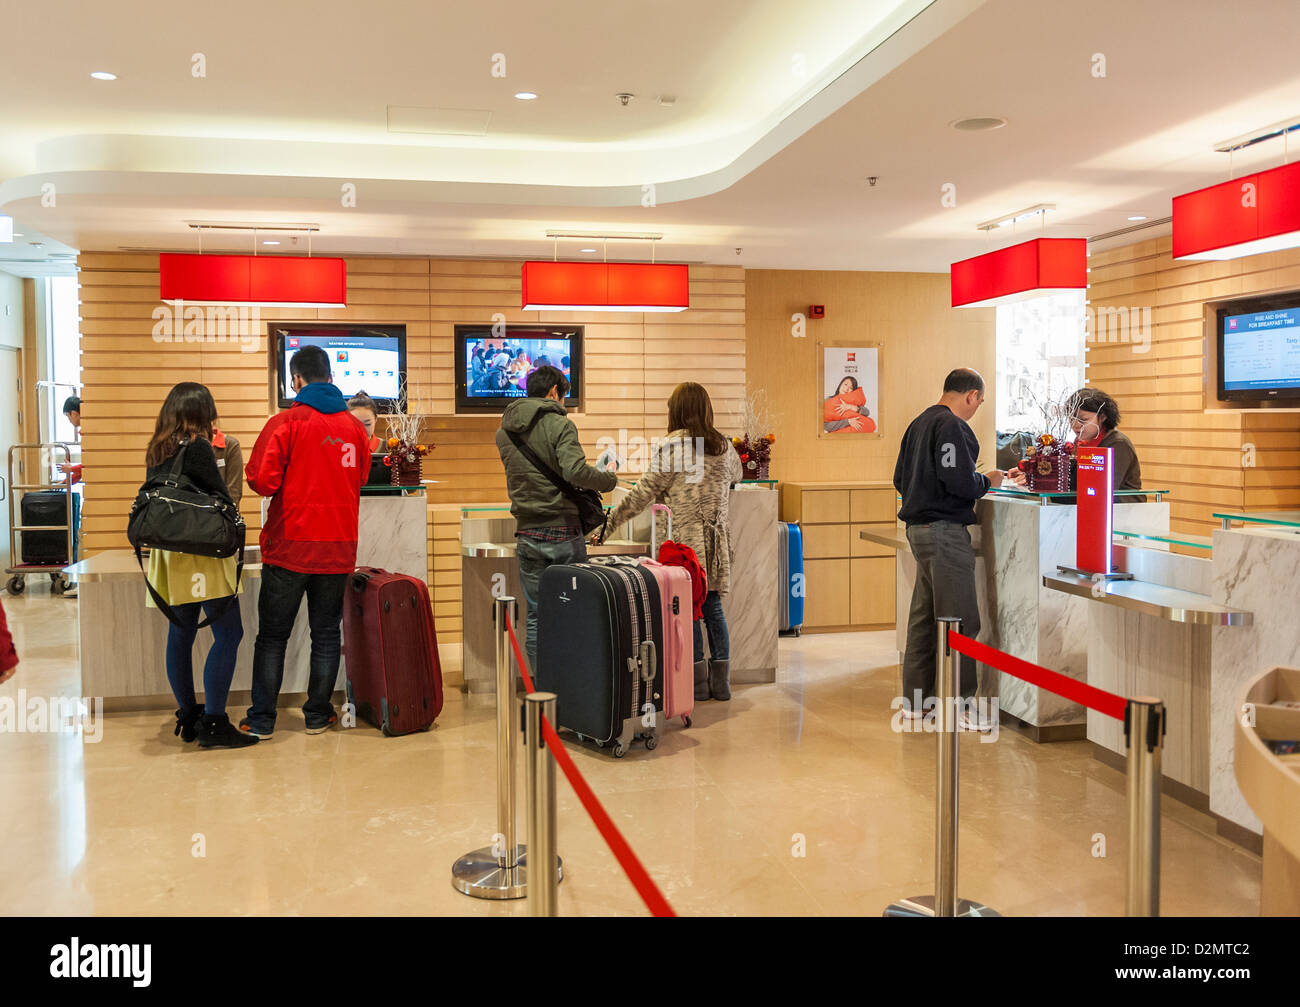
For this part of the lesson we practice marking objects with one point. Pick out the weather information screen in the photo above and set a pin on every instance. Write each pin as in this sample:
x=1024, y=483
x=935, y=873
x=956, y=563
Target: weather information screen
x=370, y=364
x=1262, y=350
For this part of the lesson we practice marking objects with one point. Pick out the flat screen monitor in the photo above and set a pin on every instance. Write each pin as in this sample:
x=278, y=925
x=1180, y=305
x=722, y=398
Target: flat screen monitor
x=1259, y=348
x=369, y=358
x=493, y=363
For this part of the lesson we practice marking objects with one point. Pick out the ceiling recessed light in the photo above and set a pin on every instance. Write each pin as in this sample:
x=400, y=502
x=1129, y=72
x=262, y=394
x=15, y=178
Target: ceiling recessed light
x=1138, y=217
x=104, y=75
x=525, y=95
x=586, y=249
x=270, y=242
x=978, y=123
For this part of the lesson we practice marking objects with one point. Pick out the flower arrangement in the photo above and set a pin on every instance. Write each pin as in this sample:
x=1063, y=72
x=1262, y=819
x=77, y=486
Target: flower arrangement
x=1048, y=461
x=405, y=452
x=755, y=443
x=755, y=454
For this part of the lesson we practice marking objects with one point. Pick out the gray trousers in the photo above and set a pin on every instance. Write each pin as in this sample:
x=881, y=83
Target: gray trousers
x=945, y=586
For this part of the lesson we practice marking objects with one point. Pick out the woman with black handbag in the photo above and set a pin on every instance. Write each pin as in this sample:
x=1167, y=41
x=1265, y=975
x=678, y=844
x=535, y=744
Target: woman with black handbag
x=191, y=586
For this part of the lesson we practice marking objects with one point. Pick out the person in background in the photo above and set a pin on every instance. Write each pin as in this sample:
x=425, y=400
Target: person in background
x=194, y=586
x=700, y=519
x=564, y=366
x=937, y=479
x=548, y=528
x=1094, y=418
x=8, y=653
x=72, y=410
x=311, y=460
x=230, y=460
x=363, y=407
x=477, y=366
x=847, y=410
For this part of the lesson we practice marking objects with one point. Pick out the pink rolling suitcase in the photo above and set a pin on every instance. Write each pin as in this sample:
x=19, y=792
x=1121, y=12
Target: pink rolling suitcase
x=677, y=647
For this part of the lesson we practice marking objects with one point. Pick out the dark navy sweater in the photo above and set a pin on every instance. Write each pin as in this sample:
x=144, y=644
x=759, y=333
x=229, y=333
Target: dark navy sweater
x=935, y=474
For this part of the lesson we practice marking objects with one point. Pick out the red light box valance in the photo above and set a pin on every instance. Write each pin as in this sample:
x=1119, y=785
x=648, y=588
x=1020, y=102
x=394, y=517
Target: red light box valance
x=1031, y=269
x=271, y=281
x=1246, y=216
x=605, y=286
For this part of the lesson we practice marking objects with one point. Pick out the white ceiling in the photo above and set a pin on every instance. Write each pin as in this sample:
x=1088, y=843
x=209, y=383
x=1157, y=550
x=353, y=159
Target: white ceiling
x=131, y=165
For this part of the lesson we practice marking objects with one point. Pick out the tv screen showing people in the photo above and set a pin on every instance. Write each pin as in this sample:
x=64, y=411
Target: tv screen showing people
x=493, y=367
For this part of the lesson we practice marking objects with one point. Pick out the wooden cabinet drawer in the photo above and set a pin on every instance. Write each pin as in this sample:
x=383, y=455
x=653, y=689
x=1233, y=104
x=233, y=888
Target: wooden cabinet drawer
x=826, y=598
x=871, y=591
x=825, y=506
x=873, y=505
x=858, y=546
x=826, y=541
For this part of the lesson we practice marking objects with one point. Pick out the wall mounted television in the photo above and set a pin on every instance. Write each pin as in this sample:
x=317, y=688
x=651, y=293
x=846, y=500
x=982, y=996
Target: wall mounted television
x=1259, y=348
x=363, y=358
x=493, y=363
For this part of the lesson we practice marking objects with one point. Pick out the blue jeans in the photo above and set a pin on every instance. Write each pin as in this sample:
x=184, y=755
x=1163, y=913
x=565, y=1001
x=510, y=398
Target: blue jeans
x=219, y=669
x=535, y=556
x=277, y=608
x=716, y=623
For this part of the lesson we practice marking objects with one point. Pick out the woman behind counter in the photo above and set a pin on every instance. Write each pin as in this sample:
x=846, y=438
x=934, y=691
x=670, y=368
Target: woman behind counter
x=1094, y=418
x=700, y=520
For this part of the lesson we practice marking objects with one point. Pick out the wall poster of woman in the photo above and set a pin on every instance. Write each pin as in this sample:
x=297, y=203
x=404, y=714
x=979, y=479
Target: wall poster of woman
x=850, y=390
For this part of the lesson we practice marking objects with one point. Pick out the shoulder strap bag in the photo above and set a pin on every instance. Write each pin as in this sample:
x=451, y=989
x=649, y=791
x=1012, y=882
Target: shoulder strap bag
x=172, y=513
x=591, y=511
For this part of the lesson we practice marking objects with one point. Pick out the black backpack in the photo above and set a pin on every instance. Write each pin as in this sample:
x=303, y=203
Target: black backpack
x=170, y=512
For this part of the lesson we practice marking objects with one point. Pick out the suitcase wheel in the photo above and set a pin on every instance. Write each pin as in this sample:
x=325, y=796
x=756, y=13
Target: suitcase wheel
x=686, y=720
x=620, y=750
x=651, y=743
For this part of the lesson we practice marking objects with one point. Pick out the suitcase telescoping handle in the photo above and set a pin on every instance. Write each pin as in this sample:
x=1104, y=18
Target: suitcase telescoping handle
x=361, y=576
x=654, y=530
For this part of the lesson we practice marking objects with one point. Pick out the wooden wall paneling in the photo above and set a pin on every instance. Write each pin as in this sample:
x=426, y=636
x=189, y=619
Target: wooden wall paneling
x=1188, y=441
x=633, y=362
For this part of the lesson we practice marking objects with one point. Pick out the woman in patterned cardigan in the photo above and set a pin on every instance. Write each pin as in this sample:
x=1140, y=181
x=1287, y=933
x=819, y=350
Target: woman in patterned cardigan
x=692, y=473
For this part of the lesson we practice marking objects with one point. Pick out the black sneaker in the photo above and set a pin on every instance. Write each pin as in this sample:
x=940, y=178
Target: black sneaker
x=219, y=732
x=322, y=728
x=187, y=721
x=247, y=728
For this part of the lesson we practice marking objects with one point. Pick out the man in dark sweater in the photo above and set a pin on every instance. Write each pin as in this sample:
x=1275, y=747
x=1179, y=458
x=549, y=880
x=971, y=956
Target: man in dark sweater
x=937, y=480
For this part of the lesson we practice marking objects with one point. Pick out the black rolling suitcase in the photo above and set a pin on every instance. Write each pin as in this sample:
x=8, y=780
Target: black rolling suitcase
x=596, y=632
x=48, y=548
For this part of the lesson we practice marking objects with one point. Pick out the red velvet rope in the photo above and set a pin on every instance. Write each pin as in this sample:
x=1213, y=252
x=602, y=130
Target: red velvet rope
x=631, y=864
x=1080, y=692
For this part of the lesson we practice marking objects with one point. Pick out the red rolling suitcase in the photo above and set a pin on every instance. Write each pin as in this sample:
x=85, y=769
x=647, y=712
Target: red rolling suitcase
x=391, y=651
x=677, y=646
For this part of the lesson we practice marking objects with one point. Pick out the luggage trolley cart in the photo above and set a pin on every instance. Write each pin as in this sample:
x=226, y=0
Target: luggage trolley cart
x=17, y=582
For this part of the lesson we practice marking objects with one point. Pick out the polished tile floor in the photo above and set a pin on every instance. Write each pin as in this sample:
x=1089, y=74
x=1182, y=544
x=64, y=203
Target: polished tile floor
x=352, y=823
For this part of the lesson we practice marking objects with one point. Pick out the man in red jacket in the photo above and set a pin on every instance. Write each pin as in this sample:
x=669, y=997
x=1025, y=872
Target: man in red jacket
x=312, y=461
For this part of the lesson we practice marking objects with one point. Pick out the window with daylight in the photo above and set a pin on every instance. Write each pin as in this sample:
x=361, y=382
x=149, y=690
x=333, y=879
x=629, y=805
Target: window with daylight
x=63, y=353
x=1040, y=348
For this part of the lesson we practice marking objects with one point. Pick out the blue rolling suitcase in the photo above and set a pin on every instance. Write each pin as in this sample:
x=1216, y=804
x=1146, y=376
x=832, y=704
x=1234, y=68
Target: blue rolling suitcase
x=790, y=567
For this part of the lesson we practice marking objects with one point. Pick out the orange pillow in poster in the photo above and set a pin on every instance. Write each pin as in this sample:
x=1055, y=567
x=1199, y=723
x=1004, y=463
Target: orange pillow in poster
x=859, y=424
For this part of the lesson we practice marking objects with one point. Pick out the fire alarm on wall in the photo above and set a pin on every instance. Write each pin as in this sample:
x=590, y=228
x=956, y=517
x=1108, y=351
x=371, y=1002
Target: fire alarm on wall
x=817, y=311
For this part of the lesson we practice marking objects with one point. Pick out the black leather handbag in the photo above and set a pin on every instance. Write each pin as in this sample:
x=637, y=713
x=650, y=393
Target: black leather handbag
x=591, y=509
x=172, y=513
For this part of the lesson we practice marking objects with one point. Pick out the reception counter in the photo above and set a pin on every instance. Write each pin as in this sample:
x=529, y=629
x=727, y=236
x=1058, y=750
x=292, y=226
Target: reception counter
x=123, y=642
x=1019, y=538
x=489, y=569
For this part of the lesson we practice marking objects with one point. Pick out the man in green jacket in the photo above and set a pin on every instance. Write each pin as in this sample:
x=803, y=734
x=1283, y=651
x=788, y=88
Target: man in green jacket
x=547, y=529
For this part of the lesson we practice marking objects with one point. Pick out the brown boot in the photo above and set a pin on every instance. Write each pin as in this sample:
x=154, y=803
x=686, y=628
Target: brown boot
x=701, y=681
x=720, y=680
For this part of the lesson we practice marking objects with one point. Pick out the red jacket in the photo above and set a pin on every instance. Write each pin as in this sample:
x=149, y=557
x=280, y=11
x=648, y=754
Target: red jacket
x=312, y=460
x=676, y=554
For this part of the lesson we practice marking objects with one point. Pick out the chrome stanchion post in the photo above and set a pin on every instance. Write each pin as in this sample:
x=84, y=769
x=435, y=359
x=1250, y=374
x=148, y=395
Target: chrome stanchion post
x=499, y=871
x=543, y=892
x=947, y=693
x=944, y=901
x=1144, y=736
